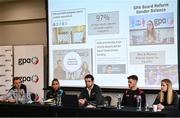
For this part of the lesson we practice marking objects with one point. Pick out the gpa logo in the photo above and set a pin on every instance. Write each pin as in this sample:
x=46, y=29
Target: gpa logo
x=33, y=79
x=159, y=21
x=33, y=60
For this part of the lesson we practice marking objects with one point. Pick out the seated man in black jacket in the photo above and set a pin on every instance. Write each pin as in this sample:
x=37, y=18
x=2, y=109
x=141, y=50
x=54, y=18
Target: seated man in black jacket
x=130, y=96
x=91, y=94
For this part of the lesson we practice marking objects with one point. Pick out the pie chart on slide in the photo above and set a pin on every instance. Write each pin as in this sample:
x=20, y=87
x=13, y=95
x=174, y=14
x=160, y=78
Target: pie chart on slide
x=72, y=61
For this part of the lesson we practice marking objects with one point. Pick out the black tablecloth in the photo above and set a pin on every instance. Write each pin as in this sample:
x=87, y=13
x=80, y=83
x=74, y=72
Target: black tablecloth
x=38, y=110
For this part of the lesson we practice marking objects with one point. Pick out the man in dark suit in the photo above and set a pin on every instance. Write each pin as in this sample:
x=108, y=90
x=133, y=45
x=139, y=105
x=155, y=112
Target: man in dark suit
x=91, y=94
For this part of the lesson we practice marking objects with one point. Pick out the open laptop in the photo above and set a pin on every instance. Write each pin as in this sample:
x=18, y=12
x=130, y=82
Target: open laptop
x=70, y=101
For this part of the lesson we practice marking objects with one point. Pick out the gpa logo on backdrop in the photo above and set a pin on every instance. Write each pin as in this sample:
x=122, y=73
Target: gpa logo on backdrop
x=33, y=79
x=33, y=60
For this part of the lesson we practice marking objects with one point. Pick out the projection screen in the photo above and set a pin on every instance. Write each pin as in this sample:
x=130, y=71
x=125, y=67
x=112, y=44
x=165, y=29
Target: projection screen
x=112, y=39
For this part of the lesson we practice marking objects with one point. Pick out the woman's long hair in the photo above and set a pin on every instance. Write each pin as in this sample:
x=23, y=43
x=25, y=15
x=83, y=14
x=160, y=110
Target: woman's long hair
x=169, y=92
x=152, y=32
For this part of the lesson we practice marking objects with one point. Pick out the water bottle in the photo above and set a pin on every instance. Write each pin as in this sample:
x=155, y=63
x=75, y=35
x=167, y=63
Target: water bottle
x=58, y=98
x=138, y=98
x=106, y=104
x=56, y=101
x=42, y=101
x=16, y=96
x=146, y=107
x=119, y=103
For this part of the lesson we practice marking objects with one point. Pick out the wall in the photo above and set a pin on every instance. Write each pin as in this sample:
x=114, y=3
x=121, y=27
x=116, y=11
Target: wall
x=24, y=22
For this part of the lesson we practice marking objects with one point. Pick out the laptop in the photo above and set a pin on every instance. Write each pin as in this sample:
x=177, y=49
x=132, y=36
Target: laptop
x=70, y=101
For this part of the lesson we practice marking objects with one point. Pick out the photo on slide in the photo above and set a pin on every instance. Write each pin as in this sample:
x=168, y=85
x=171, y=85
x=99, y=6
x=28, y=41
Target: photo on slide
x=111, y=69
x=72, y=64
x=155, y=73
x=152, y=29
x=69, y=35
x=68, y=26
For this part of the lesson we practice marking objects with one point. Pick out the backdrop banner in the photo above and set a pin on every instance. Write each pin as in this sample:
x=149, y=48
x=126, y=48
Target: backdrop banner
x=28, y=63
x=6, y=69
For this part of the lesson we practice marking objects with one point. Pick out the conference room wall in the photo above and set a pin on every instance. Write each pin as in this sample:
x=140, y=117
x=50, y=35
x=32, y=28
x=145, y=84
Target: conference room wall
x=23, y=22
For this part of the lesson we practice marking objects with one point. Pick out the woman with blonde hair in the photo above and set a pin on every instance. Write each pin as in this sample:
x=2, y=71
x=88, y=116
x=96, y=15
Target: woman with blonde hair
x=55, y=90
x=167, y=97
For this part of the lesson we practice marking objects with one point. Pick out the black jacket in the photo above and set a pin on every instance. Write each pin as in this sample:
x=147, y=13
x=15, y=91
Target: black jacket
x=53, y=94
x=174, y=103
x=95, y=97
x=130, y=98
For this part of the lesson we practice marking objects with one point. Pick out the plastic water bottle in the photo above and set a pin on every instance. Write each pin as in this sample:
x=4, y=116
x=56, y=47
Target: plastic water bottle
x=58, y=98
x=146, y=107
x=42, y=101
x=138, y=98
x=16, y=97
x=119, y=103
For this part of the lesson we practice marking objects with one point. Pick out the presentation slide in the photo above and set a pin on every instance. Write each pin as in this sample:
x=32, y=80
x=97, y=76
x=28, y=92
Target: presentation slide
x=113, y=39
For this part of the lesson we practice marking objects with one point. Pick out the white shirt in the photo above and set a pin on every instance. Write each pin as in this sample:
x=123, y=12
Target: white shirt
x=19, y=95
x=89, y=89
